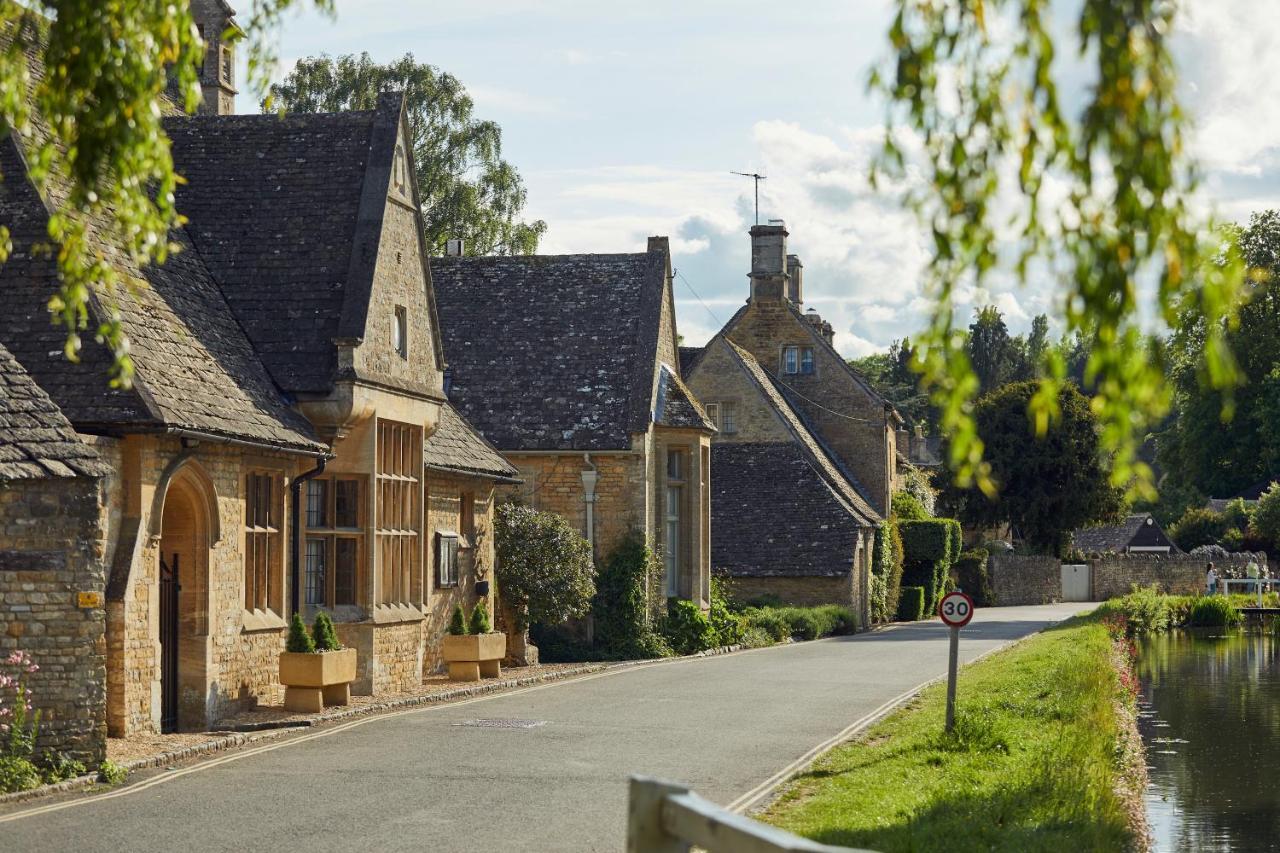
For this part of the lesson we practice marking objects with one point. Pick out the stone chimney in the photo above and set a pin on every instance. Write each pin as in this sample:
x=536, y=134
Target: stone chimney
x=659, y=244
x=824, y=328
x=795, y=286
x=769, y=262
x=217, y=73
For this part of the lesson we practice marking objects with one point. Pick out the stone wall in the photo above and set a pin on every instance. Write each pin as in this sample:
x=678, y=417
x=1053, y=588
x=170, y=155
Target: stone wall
x=475, y=561
x=1115, y=575
x=1025, y=579
x=802, y=592
x=51, y=552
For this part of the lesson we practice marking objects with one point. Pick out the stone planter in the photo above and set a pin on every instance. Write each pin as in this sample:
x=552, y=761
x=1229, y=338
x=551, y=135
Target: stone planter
x=314, y=680
x=473, y=656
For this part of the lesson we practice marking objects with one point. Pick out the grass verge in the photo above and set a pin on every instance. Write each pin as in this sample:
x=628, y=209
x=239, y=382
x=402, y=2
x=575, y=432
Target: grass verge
x=1035, y=762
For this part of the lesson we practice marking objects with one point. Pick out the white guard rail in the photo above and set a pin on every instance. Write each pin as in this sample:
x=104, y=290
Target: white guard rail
x=665, y=817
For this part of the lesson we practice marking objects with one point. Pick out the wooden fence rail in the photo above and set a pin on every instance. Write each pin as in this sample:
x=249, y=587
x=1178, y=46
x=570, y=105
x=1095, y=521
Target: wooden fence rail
x=665, y=817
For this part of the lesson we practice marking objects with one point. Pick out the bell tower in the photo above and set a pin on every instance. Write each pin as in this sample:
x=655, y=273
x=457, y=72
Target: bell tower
x=217, y=73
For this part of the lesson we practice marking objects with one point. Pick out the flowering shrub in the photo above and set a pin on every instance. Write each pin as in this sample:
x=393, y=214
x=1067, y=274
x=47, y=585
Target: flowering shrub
x=18, y=724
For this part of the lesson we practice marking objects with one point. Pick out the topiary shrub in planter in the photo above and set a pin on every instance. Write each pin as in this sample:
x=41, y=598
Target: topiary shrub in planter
x=472, y=649
x=323, y=634
x=911, y=604
x=315, y=677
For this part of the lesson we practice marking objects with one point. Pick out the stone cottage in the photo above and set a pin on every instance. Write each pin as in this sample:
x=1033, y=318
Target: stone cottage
x=789, y=520
x=795, y=347
x=286, y=445
x=568, y=365
x=52, y=566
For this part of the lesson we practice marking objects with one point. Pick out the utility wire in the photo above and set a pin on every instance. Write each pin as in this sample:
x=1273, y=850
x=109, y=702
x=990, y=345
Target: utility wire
x=687, y=284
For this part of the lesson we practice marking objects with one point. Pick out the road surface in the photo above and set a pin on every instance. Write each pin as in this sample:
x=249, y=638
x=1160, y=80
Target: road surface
x=545, y=769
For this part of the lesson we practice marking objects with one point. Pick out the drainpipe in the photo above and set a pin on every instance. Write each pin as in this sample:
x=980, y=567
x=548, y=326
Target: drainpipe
x=295, y=567
x=589, y=477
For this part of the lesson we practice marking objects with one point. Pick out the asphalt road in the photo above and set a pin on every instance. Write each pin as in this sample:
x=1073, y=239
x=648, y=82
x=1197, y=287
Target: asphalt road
x=423, y=780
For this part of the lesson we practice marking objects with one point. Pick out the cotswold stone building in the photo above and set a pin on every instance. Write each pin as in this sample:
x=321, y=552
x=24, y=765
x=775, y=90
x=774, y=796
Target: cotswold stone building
x=568, y=365
x=788, y=521
x=775, y=386
x=286, y=445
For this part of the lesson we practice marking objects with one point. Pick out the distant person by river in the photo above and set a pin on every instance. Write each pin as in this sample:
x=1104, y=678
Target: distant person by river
x=1211, y=579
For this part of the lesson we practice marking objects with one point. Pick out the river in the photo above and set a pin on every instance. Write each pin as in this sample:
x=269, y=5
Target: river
x=1210, y=718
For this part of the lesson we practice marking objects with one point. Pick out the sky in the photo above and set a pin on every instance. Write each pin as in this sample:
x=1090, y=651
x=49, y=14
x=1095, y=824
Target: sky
x=626, y=120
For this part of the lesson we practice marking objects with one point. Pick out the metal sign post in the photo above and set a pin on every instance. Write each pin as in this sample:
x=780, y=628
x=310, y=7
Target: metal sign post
x=955, y=610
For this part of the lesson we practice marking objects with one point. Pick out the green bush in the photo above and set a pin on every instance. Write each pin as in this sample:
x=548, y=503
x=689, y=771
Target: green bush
x=57, y=767
x=1213, y=611
x=840, y=620
x=911, y=604
x=1237, y=514
x=687, y=628
x=562, y=644
x=806, y=623
x=323, y=634
x=17, y=774
x=110, y=773
x=886, y=568
x=458, y=622
x=768, y=621
x=545, y=569
x=626, y=605
x=929, y=539
x=1145, y=609
x=729, y=626
x=907, y=507
x=973, y=577
x=299, y=640
x=480, y=623
x=1198, y=526
x=1265, y=525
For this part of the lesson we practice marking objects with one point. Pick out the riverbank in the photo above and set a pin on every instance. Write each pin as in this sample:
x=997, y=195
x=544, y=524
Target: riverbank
x=1045, y=756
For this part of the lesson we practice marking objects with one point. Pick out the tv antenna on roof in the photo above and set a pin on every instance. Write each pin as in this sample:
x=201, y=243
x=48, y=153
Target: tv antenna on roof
x=758, y=178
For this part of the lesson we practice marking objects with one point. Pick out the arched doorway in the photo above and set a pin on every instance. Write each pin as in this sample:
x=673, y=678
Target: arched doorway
x=183, y=621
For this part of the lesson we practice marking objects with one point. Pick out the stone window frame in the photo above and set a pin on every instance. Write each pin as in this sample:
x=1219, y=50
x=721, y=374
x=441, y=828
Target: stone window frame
x=448, y=548
x=675, y=481
x=400, y=331
x=226, y=64
x=329, y=534
x=728, y=422
x=262, y=552
x=713, y=413
x=398, y=528
x=803, y=363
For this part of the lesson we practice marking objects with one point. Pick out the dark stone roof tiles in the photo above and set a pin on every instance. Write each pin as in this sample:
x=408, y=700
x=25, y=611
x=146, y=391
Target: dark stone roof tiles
x=676, y=405
x=1136, y=530
x=36, y=439
x=273, y=204
x=552, y=352
x=457, y=447
x=773, y=517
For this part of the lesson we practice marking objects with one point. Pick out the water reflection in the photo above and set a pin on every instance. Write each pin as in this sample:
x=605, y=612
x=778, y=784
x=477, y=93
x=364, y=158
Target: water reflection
x=1210, y=717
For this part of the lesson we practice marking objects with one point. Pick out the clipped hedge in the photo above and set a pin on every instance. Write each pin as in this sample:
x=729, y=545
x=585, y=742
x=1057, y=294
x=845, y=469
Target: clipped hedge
x=911, y=604
x=886, y=571
x=973, y=577
x=930, y=547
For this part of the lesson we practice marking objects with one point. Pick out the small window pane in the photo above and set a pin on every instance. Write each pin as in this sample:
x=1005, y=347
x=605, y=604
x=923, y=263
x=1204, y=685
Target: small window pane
x=790, y=359
x=318, y=503
x=346, y=557
x=400, y=331
x=806, y=360
x=347, y=503
x=727, y=417
x=675, y=465
x=316, y=554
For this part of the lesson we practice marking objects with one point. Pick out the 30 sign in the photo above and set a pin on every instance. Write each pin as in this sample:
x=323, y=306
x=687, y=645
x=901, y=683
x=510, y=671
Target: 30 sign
x=956, y=609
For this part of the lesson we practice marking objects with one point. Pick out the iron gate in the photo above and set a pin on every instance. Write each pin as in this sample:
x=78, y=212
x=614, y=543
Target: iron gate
x=169, y=645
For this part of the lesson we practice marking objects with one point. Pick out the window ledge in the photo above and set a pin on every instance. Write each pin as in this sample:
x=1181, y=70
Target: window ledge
x=389, y=614
x=262, y=620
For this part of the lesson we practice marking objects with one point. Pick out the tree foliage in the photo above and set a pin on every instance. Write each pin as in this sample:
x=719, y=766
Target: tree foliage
x=1198, y=526
x=1266, y=517
x=975, y=83
x=91, y=131
x=1050, y=484
x=1198, y=449
x=466, y=189
x=545, y=572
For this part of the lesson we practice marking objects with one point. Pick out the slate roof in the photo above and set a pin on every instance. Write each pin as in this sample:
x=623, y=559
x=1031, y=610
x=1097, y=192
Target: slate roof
x=688, y=356
x=455, y=446
x=676, y=405
x=825, y=461
x=1139, y=529
x=195, y=370
x=36, y=439
x=552, y=352
x=273, y=204
x=773, y=518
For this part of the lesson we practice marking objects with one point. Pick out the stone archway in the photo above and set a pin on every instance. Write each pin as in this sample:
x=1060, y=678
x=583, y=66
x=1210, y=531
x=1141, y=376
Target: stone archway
x=188, y=517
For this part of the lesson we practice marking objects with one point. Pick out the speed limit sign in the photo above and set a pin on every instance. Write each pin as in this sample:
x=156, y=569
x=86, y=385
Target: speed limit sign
x=956, y=609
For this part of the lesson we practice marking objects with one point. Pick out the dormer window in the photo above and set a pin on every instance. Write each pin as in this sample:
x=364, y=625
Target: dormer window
x=400, y=331
x=797, y=360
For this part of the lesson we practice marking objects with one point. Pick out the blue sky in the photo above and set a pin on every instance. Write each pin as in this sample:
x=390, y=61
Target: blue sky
x=625, y=121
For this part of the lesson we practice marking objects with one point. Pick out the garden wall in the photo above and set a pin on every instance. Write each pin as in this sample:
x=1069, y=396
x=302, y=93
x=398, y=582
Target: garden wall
x=1025, y=579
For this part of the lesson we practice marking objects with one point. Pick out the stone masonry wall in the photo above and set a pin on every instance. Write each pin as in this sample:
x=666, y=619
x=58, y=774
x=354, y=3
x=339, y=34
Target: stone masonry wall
x=1031, y=579
x=50, y=552
x=1116, y=575
x=802, y=592
x=474, y=563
